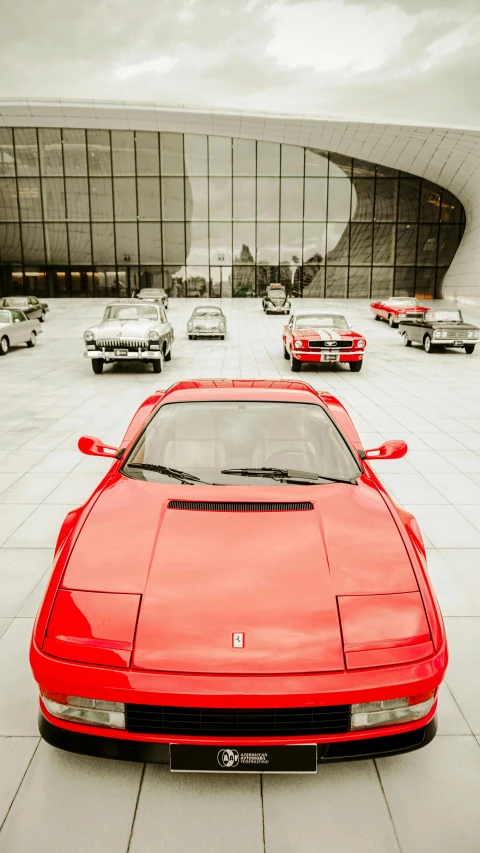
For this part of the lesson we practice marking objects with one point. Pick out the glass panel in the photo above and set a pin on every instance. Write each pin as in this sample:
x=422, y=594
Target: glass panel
x=77, y=198
x=266, y=274
x=430, y=203
x=103, y=247
x=268, y=198
x=335, y=231
x=427, y=245
x=26, y=150
x=105, y=283
x=244, y=242
x=364, y=189
x=425, y=282
x=268, y=236
x=198, y=191
x=363, y=169
x=125, y=198
x=292, y=160
x=314, y=242
x=123, y=152
x=33, y=245
x=386, y=172
x=53, y=198
x=220, y=243
x=220, y=155
x=313, y=280
x=197, y=242
x=361, y=236
x=448, y=244
x=220, y=282
x=80, y=244
x=173, y=204
x=244, y=198
x=382, y=282
x=99, y=160
x=316, y=164
x=383, y=244
x=291, y=242
x=150, y=243
x=336, y=286
x=291, y=198
x=340, y=166
x=146, y=144
x=51, y=159
x=243, y=157
x=220, y=198
x=339, y=200
x=409, y=189
x=451, y=209
x=151, y=277
x=8, y=199
x=243, y=281
x=35, y=281
x=127, y=243
x=268, y=158
x=7, y=158
x=404, y=281
x=359, y=282
x=196, y=284
x=196, y=155
x=316, y=199
x=148, y=198
x=171, y=153
x=406, y=244
x=173, y=242
x=101, y=200
x=75, y=152
x=386, y=193
x=174, y=281
x=10, y=246
x=56, y=247
x=29, y=196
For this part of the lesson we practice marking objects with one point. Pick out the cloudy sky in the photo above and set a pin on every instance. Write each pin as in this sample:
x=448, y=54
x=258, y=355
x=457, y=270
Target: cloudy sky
x=412, y=60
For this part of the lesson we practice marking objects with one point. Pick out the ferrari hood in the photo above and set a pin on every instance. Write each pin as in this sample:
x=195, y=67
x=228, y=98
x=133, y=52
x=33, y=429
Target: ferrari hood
x=271, y=577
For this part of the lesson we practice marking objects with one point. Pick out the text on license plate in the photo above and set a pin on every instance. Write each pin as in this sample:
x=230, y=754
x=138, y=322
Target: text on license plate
x=330, y=356
x=299, y=758
x=121, y=352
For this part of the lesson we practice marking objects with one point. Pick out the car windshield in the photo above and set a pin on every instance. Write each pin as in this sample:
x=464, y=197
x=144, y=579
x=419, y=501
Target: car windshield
x=207, y=312
x=16, y=301
x=131, y=312
x=321, y=321
x=5, y=317
x=204, y=439
x=439, y=316
x=402, y=302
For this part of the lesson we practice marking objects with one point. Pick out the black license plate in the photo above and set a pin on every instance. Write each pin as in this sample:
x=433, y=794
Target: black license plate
x=243, y=759
x=458, y=343
x=121, y=352
x=330, y=356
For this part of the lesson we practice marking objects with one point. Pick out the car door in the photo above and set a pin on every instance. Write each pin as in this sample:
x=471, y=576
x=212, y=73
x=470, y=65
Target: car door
x=34, y=308
x=417, y=331
x=166, y=327
x=18, y=334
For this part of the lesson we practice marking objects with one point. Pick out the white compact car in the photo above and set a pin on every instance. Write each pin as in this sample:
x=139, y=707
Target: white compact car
x=15, y=329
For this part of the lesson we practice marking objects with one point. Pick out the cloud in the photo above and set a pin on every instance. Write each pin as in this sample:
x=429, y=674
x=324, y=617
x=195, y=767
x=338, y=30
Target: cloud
x=161, y=65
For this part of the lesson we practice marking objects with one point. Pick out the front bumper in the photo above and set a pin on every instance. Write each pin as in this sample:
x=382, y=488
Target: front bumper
x=108, y=355
x=316, y=356
x=455, y=341
x=277, y=309
x=207, y=333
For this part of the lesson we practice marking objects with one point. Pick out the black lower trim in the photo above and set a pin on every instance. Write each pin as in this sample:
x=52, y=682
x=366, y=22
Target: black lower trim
x=159, y=753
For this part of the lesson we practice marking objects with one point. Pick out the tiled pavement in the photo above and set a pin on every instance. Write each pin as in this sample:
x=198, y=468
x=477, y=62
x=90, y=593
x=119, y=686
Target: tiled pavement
x=424, y=802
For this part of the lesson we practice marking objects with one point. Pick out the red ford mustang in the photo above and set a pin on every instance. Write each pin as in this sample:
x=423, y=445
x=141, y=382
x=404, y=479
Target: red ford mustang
x=322, y=338
x=240, y=593
x=397, y=308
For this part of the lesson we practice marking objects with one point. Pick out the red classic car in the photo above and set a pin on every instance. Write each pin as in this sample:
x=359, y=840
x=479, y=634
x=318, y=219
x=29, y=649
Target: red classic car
x=397, y=308
x=240, y=593
x=322, y=338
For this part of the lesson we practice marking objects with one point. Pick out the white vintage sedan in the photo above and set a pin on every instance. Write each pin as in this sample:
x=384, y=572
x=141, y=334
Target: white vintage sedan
x=15, y=329
x=130, y=330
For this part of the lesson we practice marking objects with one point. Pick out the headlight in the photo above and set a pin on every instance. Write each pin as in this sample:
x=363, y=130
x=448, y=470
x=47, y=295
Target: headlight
x=361, y=344
x=388, y=712
x=221, y=327
x=93, y=712
x=437, y=333
x=298, y=344
x=402, y=316
x=189, y=327
x=153, y=336
x=473, y=334
x=89, y=336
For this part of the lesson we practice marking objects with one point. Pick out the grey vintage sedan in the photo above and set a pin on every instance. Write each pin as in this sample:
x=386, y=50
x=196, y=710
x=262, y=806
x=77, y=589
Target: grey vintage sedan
x=130, y=330
x=207, y=321
x=30, y=305
x=16, y=329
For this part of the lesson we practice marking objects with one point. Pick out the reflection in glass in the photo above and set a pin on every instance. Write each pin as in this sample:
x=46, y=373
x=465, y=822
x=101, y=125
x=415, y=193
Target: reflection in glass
x=383, y=243
x=448, y=242
x=404, y=281
x=173, y=203
x=365, y=191
x=335, y=231
x=7, y=157
x=103, y=246
x=99, y=156
x=268, y=199
x=171, y=153
x=10, y=244
x=339, y=192
x=221, y=282
x=408, y=199
x=243, y=281
x=146, y=146
x=75, y=152
x=77, y=198
x=359, y=282
x=314, y=240
x=56, y=246
x=123, y=152
x=220, y=198
x=386, y=198
x=243, y=198
x=126, y=240
x=150, y=242
x=292, y=160
x=406, y=243
x=197, y=242
x=80, y=243
x=173, y=243
x=268, y=239
x=148, y=198
x=316, y=199
x=220, y=155
x=51, y=160
x=244, y=157
x=125, y=198
x=316, y=164
x=101, y=199
x=427, y=244
x=196, y=154
x=291, y=194
x=268, y=158
x=26, y=150
x=336, y=282
x=244, y=242
x=291, y=242
x=197, y=282
x=361, y=242
x=382, y=282
x=425, y=282
x=199, y=196
x=33, y=242
x=53, y=198
x=8, y=199
x=220, y=243
x=29, y=198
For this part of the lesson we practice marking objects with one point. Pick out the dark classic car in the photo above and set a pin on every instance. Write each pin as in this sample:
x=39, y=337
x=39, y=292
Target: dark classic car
x=276, y=300
x=440, y=328
x=31, y=307
x=153, y=294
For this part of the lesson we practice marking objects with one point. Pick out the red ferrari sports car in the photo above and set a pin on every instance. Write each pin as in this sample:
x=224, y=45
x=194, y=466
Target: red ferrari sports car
x=397, y=308
x=322, y=338
x=240, y=593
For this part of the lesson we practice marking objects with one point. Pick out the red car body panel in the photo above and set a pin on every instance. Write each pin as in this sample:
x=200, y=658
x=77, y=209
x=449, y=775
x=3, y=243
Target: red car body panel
x=306, y=336
x=125, y=549
x=384, y=311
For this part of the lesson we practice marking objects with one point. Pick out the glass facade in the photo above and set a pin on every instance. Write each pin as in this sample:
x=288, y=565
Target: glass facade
x=102, y=213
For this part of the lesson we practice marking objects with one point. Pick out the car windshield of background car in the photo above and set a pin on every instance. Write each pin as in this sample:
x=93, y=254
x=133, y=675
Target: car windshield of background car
x=207, y=312
x=202, y=438
x=439, y=316
x=322, y=321
x=398, y=300
x=131, y=312
x=17, y=302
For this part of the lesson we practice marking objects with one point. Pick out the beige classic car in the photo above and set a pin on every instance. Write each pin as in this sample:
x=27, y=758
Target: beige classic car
x=15, y=329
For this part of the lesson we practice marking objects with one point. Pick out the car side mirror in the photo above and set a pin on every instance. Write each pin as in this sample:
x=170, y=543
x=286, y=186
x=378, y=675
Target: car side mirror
x=388, y=450
x=16, y=320
x=91, y=446
x=350, y=325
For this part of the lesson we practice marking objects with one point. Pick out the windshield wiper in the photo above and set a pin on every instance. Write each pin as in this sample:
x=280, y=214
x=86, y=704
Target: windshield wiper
x=184, y=476
x=284, y=474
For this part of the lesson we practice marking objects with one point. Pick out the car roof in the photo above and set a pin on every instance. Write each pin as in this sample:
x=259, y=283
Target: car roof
x=283, y=390
x=125, y=302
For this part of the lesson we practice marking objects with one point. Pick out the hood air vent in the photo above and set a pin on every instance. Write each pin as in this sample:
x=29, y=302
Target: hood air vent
x=240, y=506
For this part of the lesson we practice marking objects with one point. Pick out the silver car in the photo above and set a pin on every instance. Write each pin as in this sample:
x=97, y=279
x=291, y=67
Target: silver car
x=130, y=330
x=16, y=329
x=153, y=294
x=207, y=321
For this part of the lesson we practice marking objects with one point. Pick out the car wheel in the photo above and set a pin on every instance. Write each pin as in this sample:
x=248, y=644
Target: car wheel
x=286, y=353
x=356, y=366
x=406, y=341
x=168, y=355
x=42, y=317
x=391, y=322
x=33, y=340
x=427, y=343
x=222, y=337
x=377, y=317
x=469, y=348
x=295, y=364
x=157, y=365
x=190, y=337
x=4, y=346
x=97, y=365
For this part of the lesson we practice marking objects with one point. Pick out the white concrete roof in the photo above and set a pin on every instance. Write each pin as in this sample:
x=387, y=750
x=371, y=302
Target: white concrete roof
x=449, y=156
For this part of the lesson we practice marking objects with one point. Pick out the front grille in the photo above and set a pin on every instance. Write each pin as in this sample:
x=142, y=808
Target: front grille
x=131, y=346
x=227, y=722
x=240, y=506
x=329, y=344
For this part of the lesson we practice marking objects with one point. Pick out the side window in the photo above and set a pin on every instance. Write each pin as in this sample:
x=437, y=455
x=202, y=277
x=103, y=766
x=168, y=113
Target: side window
x=290, y=325
x=18, y=315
